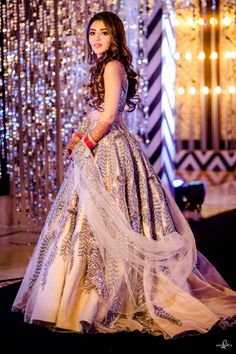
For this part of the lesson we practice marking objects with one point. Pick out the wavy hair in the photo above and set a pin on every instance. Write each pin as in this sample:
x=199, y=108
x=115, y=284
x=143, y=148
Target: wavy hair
x=119, y=51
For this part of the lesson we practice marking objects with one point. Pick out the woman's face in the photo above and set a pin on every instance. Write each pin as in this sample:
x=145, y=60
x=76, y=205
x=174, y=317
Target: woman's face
x=99, y=37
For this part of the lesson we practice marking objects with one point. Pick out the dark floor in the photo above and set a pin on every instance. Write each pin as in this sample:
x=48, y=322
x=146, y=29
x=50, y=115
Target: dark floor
x=214, y=238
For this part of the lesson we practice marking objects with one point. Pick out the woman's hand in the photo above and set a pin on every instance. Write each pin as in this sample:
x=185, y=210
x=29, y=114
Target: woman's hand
x=70, y=147
x=76, y=137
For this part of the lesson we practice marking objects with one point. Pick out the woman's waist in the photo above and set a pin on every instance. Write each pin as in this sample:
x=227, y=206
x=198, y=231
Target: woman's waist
x=95, y=120
x=114, y=125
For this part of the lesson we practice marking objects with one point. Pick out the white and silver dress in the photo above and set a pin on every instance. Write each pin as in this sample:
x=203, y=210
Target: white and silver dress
x=116, y=253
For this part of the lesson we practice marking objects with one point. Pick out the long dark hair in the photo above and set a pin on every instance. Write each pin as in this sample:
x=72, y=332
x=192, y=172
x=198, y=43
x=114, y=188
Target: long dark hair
x=119, y=51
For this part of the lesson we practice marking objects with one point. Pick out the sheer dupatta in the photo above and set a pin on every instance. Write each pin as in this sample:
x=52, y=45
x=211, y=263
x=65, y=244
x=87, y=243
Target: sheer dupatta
x=163, y=266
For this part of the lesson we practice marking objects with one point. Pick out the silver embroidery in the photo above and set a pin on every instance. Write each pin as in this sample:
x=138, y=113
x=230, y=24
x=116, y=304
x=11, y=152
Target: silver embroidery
x=159, y=311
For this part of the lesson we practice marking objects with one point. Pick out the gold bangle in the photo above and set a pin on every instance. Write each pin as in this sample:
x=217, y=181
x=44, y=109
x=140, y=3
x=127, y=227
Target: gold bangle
x=75, y=139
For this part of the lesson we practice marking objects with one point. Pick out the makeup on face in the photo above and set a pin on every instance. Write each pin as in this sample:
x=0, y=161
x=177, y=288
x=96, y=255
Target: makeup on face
x=99, y=37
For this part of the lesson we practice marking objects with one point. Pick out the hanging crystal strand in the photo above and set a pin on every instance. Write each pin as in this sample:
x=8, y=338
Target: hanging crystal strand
x=72, y=71
x=40, y=163
x=213, y=5
x=2, y=99
x=188, y=3
x=21, y=197
x=4, y=131
x=49, y=105
x=26, y=114
x=35, y=45
x=204, y=6
x=11, y=61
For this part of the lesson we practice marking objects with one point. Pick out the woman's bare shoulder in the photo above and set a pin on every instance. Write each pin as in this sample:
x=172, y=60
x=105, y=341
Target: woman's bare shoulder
x=115, y=68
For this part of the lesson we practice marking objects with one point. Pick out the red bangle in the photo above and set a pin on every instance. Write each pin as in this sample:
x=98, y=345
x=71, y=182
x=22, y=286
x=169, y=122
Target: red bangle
x=88, y=142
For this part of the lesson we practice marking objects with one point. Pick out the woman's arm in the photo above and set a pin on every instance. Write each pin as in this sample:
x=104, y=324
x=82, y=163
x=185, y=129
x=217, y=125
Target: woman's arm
x=77, y=136
x=112, y=85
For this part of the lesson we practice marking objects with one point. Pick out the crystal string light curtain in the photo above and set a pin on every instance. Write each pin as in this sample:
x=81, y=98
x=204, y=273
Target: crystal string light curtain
x=43, y=75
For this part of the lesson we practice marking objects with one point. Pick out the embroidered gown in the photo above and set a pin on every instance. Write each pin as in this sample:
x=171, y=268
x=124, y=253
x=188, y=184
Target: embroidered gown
x=116, y=253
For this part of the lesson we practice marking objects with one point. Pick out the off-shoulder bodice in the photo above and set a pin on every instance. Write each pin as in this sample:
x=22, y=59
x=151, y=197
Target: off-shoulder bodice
x=123, y=96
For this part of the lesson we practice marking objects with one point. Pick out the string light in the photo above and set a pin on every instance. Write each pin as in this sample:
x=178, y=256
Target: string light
x=202, y=56
x=201, y=21
x=230, y=55
x=192, y=90
x=45, y=73
x=231, y=90
x=214, y=32
x=44, y=90
x=188, y=56
x=180, y=90
x=190, y=22
x=169, y=6
x=214, y=55
x=226, y=21
x=177, y=56
x=205, y=90
x=213, y=21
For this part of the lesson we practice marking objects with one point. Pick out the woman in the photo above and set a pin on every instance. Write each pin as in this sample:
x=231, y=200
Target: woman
x=115, y=252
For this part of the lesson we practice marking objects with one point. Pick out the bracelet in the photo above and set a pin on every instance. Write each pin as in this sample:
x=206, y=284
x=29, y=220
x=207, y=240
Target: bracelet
x=89, y=141
x=76, y=136
x=92, y=140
